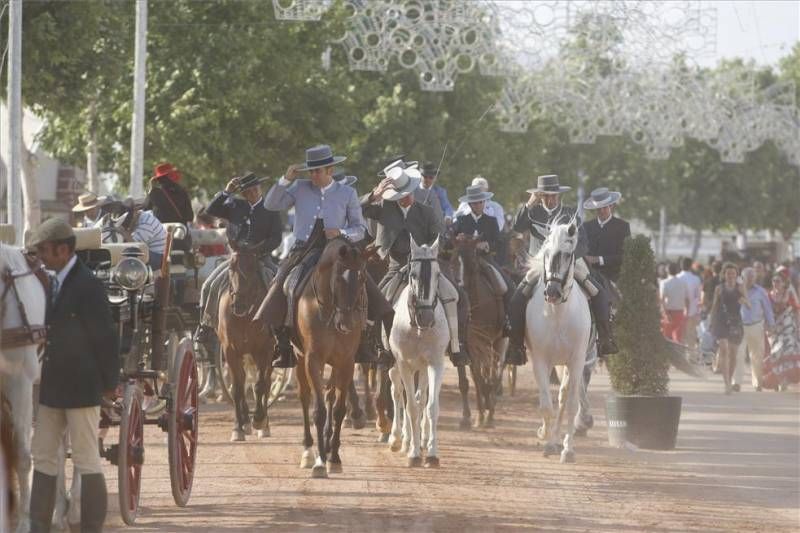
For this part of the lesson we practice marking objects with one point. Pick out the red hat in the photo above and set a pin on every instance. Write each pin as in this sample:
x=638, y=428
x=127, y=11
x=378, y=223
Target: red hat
x=166, y=170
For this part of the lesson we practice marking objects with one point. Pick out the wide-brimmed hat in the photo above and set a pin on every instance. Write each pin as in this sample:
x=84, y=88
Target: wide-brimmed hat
x=549, y=185
x=341, y=176
x=86, y=202
x=396, y=160
x=475, y=193
x=480, y=181
x=320, y=156
x=429, y=168
x=404, y=182
x=166, y=170
x=249, y=180
x=601, y=197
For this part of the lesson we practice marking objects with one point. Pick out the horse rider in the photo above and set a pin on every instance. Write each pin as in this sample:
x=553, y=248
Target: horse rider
x=80, y=366
x=400, y=217
x=479, y=223
x=490, y=208
x=606, y=233
x=249, y=223
x=543, y=209
x=324, y=209
x=433, y=195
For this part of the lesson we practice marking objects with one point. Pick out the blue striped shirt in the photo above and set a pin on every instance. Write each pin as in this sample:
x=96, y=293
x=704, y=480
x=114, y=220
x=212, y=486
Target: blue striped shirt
x=150, y=231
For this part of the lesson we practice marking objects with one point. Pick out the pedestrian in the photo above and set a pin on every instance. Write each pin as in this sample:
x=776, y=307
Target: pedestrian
x=167, y=198
x=782, y=363
x=80, y=366
x=712, y=278
x=726, y=321
x=675, y=302
x=693, y=283
x=757, y=320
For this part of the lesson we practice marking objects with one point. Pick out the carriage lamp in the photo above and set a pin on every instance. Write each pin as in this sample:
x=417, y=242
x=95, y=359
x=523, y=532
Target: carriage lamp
x=179, y=233
x=130, y=273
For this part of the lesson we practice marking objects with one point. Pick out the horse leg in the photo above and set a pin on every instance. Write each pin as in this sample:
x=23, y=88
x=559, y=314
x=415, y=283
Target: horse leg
x=339, y=379
x=260, y=417
x=314, y=368
x=395, y=438
x=238, y=374
x=356, y=413
x=541, y=370
x=574, y=385
x=369, y=398
x=463, y=388
x=330, y=398
x=435, y=376
x=584, y=420
x=19, y=392
x=383, y=402
x=411, y=428
x=307, y=459
x=421, y=397
x=477, y=379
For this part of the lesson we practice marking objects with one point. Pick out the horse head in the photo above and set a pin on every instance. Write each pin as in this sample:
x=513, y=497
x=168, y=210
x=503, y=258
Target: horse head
x=347, y=277
x=558, y=259
x=246, y=282
x=423, y=282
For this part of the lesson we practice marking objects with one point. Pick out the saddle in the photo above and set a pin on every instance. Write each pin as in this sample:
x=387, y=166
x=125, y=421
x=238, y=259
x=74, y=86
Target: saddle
x=297, y=280
x=392, y=286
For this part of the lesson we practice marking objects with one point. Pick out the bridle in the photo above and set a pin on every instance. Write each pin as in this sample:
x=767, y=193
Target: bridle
x=358, y=303
x=555, y=268
x=414, y=306
x=234, y=268
x=25, y=335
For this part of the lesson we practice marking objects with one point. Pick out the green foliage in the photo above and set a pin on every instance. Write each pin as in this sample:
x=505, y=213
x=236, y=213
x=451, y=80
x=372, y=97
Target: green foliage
x=641, y=366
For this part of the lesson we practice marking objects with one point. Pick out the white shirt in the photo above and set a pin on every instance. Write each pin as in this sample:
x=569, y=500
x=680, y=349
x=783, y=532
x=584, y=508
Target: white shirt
x=604, y=222
x=491, y=208
x=695, y=287
x=674, y=294
x=61, y=275
x=404, y=210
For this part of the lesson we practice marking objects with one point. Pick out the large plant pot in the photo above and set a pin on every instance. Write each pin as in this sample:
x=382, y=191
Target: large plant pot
x=647, y=421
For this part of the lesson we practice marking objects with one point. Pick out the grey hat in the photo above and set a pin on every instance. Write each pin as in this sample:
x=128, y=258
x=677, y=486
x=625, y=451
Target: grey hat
x=475, y=193
x=601, y=198
x=52, y=229
x=320, y=156
x=249, y=180
x=404, y=182
x=341, y=176
x=549, y=184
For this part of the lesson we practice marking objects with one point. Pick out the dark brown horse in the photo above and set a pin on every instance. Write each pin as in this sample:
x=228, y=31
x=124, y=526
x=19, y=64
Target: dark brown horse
x=485, y=334
x=331, y=314
x=240, y=336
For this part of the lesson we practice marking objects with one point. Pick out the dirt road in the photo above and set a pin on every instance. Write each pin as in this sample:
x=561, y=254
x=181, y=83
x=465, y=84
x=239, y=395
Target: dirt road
x=736, y=468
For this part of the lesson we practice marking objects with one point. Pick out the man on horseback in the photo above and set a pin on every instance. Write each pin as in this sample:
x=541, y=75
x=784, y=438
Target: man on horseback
x=606, y=233
x=324, y=209
x=477, y=222
x=400, y=217
x=249, y=223
x=540, y=212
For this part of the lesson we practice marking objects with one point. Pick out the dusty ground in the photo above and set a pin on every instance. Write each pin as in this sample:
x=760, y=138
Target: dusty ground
x=736, y=468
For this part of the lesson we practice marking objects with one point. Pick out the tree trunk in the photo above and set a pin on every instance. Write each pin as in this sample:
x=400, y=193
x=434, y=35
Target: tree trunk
x=32, y=207
x=698, y=238
x=92, y=180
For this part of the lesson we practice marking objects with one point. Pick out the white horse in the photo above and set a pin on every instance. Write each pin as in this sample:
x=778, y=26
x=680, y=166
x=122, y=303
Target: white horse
x=19, y=366
x=418, y=340
x=558, y=327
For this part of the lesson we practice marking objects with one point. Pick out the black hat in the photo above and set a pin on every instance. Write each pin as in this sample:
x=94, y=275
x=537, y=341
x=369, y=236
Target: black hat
x=429, y=168
x=549, y=185
x=249, y=180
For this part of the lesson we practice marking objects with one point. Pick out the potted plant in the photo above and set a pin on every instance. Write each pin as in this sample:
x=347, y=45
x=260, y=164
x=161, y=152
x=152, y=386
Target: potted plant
x=641, y=412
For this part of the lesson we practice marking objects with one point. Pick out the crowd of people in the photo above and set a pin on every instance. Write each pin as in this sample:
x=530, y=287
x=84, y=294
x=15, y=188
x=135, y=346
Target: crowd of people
x=738, y=312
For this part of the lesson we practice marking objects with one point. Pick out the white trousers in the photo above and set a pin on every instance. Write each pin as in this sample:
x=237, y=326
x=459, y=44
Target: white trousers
x=753, y=341
x=48, y=433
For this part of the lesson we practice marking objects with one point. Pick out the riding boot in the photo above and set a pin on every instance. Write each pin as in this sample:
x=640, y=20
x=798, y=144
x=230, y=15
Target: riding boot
x=458, y=355
x=43, y=499
x=366, y=347
x=284, y=353
x=602, y=318
x=385, y=356
x=94, y=502
x=516, y=314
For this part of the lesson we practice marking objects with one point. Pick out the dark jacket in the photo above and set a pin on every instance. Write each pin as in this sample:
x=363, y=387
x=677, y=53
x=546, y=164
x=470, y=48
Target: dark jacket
x=606, y=242
x=421, y=224
x=169, y=202
x=81, y=355
x=537, y=218
x=485, y=226
x=248, y=224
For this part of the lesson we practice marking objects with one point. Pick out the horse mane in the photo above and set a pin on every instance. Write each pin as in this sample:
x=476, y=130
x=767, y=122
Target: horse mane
x=557, y=240
x=29, y=289
x=330, y=254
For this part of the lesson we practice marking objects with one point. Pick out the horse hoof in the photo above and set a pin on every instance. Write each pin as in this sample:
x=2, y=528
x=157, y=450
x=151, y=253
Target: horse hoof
x=414, y=462
x=395, y=446
x=347, y=423
x=465, y=424
x=551, y=449
x=540, y=432
x=360, y=422
x=260, y=424
x=589, y=422
x=580, y=432
x=334, y=468
x=383, y=437
x=248, y=429
x=307, y=460
x=431, y=462
x=237, y=435
x=263, y=433
x=404, y=448
x=568, y=456
x=319, y=472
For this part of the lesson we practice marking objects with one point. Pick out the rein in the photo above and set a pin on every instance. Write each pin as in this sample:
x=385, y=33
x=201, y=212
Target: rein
x=359, y=304
x=568, y=276
x=413, y=306
x=251, y=309
x=26, y=335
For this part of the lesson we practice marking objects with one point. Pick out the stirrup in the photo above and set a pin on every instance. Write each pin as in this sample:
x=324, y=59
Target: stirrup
x=284, y=356
x=606, y=347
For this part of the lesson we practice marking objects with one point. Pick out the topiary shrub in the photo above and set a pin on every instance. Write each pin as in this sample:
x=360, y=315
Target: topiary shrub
x=642, y=365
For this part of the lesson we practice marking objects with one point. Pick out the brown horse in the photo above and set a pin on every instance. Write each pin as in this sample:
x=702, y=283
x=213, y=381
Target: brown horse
x=485, y=332
x=331, y=314
x=239, y=336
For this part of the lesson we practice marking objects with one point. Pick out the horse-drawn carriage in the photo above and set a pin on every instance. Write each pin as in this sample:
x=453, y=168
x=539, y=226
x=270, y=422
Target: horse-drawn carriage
x=159, y=381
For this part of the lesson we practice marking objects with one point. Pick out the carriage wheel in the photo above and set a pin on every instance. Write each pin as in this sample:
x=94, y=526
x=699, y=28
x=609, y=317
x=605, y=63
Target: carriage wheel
x=281, y=377
x=182, y=422
x=130, y=456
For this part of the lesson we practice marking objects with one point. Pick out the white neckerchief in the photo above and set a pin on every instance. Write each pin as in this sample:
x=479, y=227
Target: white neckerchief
x=404, y=210
x=326, y=188
x=474, y=216
x=606, y=221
